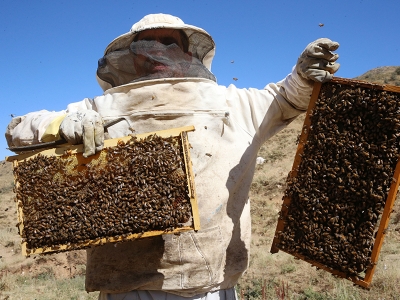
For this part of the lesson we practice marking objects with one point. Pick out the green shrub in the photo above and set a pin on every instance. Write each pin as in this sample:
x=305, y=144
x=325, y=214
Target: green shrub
x=310, y=294
x=289, y=268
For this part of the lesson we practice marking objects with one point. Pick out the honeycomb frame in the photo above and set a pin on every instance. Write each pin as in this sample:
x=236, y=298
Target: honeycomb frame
x=174, y=214
x=297, y=242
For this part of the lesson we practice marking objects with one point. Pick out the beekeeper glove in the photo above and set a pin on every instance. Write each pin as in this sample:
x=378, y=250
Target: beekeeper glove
x=10, y=131
x=84, y=127
x=317, y=62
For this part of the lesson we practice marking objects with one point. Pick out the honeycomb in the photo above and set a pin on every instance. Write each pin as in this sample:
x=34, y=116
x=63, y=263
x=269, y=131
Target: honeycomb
x=135, y=187
x=343, y=173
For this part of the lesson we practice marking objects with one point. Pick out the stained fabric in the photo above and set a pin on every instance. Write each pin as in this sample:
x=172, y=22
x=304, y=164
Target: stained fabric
x=231, y=124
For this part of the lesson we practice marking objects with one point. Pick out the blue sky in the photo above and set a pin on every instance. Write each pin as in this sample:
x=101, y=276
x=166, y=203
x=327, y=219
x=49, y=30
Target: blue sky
x=49, y=49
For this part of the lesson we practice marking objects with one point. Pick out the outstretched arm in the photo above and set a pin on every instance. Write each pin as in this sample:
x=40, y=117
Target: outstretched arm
x=42, y=126
x=317, y=63
x=265, y=112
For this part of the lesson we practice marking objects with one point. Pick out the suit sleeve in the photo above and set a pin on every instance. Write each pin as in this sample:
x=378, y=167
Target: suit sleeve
x=29, y=129
x=262, y=113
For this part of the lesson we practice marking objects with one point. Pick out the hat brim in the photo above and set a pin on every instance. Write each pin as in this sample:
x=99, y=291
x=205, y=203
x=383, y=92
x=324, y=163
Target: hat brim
x=201, y=43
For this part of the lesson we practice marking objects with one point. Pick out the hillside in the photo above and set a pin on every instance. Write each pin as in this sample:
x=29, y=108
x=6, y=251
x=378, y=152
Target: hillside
x=382, y=75
x=61, y=276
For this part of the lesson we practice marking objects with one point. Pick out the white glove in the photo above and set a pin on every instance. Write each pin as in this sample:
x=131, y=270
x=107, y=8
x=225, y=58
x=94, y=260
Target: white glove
x=10, y=131
x=84, y=127
x=317, y=62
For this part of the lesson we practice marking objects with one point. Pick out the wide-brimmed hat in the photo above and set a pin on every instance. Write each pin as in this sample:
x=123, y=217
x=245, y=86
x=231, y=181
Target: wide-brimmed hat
x=201, y=44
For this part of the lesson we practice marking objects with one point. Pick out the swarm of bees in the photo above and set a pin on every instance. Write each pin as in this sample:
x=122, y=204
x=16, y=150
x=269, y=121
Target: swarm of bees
x=134, y=187
x=343, y=178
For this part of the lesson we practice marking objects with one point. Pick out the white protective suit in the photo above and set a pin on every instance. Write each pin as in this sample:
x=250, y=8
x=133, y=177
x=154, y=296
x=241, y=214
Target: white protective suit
x=231, y=124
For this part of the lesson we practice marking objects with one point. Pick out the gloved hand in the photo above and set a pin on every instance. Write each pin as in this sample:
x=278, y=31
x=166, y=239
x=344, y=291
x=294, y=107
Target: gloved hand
x=10, y=130
x=84, y=127
x=317, y=62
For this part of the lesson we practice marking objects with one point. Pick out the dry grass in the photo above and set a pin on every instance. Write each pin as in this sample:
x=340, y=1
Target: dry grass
x=43, y=286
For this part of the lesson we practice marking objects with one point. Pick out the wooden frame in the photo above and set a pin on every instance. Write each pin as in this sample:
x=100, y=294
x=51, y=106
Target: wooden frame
x=384, y=219
x=76, y=150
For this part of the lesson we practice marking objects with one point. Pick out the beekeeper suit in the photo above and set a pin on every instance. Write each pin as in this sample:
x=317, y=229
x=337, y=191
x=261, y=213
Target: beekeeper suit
x=156, y=82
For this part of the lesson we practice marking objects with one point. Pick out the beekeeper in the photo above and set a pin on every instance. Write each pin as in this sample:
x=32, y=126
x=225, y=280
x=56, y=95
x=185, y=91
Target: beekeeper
x=158, y=76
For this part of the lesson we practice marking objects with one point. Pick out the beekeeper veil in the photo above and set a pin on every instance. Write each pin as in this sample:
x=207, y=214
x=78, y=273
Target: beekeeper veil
x=127, y=59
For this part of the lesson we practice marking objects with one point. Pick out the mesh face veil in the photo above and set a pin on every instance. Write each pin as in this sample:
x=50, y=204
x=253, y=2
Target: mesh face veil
x=117, y=67
x=146, y=60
